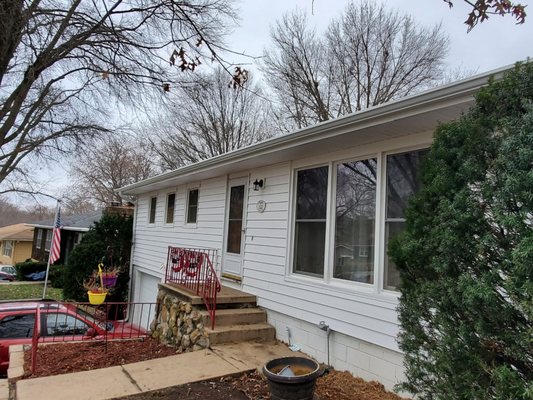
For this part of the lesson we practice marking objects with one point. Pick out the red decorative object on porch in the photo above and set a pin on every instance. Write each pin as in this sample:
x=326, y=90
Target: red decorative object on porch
x=193, y=269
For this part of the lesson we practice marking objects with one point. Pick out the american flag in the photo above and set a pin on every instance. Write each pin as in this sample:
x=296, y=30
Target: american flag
x=55, y=251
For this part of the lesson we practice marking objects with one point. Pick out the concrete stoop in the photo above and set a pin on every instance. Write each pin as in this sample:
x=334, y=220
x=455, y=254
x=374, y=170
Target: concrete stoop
x=234, y=325
x=237, y=318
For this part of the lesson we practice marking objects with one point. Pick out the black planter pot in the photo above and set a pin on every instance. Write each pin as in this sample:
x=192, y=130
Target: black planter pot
x=301, y=386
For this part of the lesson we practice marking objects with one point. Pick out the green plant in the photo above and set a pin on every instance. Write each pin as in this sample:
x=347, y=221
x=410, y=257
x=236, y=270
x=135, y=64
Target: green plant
x=55, y=275
x=109, y=240
x=29, y=267
x=466, y=257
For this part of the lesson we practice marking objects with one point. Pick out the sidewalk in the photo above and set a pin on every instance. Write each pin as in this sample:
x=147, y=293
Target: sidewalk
x=108, y=383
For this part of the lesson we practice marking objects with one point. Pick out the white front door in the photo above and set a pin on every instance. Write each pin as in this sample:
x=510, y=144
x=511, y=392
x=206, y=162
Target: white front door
x=234, y=228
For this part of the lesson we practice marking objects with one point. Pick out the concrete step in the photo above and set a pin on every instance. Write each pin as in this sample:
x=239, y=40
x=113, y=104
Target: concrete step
x=241, y=333
x=236, y=316
x=226, y=297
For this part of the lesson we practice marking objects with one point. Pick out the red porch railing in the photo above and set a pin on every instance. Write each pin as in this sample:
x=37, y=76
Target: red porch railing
x=76, y=322
x=193, y=269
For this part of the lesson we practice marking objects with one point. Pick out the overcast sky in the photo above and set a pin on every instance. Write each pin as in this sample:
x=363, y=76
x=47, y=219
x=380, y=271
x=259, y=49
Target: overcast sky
x=490, y=45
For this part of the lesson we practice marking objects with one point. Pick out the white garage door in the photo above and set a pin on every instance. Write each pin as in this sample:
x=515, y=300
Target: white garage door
x=145, y=292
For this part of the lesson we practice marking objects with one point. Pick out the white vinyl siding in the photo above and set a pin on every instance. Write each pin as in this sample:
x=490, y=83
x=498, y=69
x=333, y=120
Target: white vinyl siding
x=352, y=308
x=151, y=245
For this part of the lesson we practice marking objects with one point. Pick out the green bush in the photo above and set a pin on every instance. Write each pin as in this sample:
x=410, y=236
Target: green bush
x=466, y=257
x=55, y=275
x=108, y=241
x=29, y=267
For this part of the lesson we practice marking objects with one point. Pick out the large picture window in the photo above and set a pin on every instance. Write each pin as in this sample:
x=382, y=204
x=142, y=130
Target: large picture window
x=355, y=220
x=344, y=235
x=310, y=226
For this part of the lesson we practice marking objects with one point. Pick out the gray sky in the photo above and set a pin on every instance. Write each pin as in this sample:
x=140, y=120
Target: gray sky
x=490, y=45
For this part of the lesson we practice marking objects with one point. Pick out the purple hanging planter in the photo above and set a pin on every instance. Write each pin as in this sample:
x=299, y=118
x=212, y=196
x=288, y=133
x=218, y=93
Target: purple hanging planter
x=109, y=280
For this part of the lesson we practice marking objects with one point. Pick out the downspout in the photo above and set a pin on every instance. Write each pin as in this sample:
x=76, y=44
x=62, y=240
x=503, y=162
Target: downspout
x=130, y=300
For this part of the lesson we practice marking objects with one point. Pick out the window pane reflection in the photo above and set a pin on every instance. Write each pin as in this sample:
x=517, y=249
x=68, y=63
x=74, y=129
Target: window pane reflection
x=355, y=220
x=310, y=230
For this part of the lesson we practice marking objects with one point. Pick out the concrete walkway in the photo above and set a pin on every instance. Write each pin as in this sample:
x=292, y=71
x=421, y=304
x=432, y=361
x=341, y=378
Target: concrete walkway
x=109, y=383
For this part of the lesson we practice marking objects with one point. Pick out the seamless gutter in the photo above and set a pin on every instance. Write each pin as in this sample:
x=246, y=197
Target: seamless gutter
x=460, y=89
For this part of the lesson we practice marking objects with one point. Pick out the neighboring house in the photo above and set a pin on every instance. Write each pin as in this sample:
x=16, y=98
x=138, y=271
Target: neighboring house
x=15, y=243
x=73, y=229
x=311, y=243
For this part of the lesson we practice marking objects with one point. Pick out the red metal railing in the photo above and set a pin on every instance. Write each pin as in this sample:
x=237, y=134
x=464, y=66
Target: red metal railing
x=75, y=322
x=193, y=269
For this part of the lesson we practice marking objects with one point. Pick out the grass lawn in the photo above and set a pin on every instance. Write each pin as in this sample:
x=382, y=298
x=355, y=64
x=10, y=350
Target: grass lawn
x=14, y=291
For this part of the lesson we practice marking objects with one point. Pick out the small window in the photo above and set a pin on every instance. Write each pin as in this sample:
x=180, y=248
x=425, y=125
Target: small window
x=171, y=200
x=48, y=240
x=192, y=206
x=153, y=205
x=39, y=239
x=17, y=326
x=7, y=248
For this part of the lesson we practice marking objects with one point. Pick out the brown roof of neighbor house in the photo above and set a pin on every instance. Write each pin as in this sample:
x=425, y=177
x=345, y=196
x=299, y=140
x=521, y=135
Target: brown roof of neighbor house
x=21, y=232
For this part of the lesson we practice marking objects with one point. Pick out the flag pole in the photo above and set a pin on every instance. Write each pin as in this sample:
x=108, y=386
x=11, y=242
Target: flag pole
x=50, y=250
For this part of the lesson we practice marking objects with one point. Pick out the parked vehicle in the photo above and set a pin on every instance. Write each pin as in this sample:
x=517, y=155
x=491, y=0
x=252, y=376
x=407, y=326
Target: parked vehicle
x=56, y=322
x=6, y=277
x=8, y=272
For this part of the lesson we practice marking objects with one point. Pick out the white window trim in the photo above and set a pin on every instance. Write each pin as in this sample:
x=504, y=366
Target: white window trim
x=376, y=289
x=174, y=209
x=48, y=244
x=188, y=190
x=4, y=247
x=150, y=209
x=39, y=239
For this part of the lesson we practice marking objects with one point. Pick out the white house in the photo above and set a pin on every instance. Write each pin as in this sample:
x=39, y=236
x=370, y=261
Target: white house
x=311, y=242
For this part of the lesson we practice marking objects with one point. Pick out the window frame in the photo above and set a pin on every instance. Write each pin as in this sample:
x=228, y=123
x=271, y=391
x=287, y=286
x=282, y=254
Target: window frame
x=48, y=240
x=39, y=239
x=168, y=212
x=5, y=247
x=187, y=205
x=327, y=281
x=152, y=210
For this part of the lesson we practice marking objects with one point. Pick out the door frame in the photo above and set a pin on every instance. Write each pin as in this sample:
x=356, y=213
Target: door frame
x=237, y=181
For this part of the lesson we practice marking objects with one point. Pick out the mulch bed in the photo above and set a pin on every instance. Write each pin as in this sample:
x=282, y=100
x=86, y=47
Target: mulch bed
x=63, y=358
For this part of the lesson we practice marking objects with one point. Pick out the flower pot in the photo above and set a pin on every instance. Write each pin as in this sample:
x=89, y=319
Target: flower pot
x=292, y=378
x=96, y=297
x=109, y=280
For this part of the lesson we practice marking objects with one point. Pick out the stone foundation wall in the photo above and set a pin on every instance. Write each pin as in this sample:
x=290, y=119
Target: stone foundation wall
x=178, y=323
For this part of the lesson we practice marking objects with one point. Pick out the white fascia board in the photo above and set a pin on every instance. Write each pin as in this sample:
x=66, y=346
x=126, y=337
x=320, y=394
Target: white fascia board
x=65, y=228
x=373, y=116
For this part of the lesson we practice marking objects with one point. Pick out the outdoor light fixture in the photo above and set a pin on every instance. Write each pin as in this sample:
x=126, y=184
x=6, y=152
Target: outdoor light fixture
x=258, y=184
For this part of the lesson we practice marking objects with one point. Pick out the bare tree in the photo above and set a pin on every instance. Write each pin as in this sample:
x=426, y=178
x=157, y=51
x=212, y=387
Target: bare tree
x=63, y=62
x=13, y=214
x=110, y=163
x=210, y=117
x=368, y=56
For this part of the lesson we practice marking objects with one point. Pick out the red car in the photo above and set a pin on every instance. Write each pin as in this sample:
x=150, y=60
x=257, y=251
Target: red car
x=57, y=322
